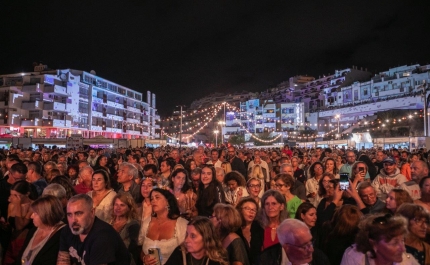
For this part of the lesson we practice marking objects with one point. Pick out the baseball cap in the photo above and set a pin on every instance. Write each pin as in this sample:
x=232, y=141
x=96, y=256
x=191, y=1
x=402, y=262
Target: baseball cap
x=389, y=160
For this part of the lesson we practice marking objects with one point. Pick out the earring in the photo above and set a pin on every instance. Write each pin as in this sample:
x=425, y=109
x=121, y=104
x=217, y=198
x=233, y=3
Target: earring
x=168, y=208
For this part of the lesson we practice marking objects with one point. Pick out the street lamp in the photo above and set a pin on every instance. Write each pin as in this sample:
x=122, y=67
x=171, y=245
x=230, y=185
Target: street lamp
x=222, y=123
x=338, y=123
x=216, y=137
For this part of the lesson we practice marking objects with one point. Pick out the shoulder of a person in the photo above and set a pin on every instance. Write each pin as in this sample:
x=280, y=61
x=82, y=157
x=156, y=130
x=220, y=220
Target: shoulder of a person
x=181, y=221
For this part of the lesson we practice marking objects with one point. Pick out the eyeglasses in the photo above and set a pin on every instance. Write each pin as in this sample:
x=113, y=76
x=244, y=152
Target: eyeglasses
x=254, y=186
x=421, y=221
x=280, y=185
x=306, y=247
x=249, y=209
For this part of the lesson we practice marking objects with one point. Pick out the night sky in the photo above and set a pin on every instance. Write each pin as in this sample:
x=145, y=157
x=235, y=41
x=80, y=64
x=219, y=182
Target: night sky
x=184, y=50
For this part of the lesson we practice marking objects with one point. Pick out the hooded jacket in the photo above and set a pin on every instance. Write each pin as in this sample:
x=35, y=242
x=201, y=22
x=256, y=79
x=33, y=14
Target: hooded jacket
x=384, y=183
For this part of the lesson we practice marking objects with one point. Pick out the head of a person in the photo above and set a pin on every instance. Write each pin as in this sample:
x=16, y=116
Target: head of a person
x=47, y=211
x=190, y=165
x=390, y=166
x=383, y=236
x=226, y=219
x=425, y=186
x=307, y=213
x=283, y=183
x=214, y=154
x=316, y=169
x=220, y=174
x=166, y=166
x=92, y=153
x=345, y=220
x=350, y=157
x=196, y=174
x=127, y=173
x=149, y=171
x=418, y=219
x=102, y=161
x=247, y=209
x=367, y=193
x=66, y=183
x=80, y=214
x=327, y=189
x=253, y=186
x=179, y=180
x=397, y=197
x=296, y=240
x=358, y=167
x=234, y=180
x=73, y=171
x=100, y=180
x=208, y=175
x=21, y=189
x=419, y=169
x=58, y=191
x=201, y=237
x=146, y=186
x=273, y=207
x=226, y=166
x=123, y=205
x=163, y=200
x=330, y=165
x=18, y=171
x=380, y=156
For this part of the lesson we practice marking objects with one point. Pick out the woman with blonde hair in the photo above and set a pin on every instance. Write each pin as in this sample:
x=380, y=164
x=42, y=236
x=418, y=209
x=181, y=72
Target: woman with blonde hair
x=125, y=222
x=227, y=221
x=226, y=166
x=201, y=245
x=259, y=173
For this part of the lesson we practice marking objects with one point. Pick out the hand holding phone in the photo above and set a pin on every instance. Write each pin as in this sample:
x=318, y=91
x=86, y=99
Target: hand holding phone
x=344, y=181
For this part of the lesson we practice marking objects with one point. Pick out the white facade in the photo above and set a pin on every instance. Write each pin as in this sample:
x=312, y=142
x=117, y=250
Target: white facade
x=59, y=103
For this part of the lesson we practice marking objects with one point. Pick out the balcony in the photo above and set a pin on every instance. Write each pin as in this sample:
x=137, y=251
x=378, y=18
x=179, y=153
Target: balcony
x=36, y=105
x=32, y=122
x=56, y=90
x=132, y=120
x=130, y=108
x=32, y=88
x=57, y=106
x=61, y=123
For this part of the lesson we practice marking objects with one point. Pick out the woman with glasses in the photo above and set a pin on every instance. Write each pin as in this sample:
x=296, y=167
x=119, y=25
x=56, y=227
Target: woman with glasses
x=235, y=183
x=253, y=186
x=226, y=220
x=284, y=183
x=251, y=232
x=380, y=240
x=316, y=172
x=210, y=192
x=418, y=223
x=271, y=215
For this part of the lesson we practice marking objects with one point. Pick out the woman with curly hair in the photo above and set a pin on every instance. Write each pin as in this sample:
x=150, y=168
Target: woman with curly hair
x=201, y=245
x=316, y=173
x=236, y=187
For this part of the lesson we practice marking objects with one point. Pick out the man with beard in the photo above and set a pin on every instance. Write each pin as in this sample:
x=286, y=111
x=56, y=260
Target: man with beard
x=89, y=240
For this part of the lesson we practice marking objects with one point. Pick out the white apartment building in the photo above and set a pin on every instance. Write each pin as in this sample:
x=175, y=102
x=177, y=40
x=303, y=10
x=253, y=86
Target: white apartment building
x=61, y=103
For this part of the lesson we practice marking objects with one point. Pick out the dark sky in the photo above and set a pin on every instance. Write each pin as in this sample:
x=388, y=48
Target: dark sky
x=184, y=50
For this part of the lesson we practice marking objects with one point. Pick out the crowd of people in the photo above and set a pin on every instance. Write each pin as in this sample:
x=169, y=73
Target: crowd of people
x=225, y=205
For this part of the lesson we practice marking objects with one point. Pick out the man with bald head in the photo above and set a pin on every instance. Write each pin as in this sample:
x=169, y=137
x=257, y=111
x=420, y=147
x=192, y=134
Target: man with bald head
x=419, y=170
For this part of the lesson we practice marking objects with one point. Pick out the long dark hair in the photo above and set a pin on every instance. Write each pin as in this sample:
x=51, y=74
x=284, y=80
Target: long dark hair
x=186, y=185
x=206, y=196
x=173, y=211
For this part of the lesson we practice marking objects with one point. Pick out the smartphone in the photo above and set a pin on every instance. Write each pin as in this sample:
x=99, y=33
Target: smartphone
x=155, y=252
x=344, y=181
x=360, y=169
